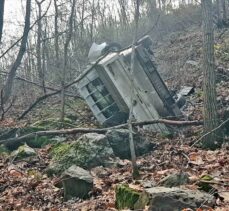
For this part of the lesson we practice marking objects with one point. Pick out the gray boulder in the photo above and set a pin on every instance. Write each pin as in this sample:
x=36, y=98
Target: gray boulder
x=77, y=183
x=176, y=199
x=89, y=151
x=119, y=141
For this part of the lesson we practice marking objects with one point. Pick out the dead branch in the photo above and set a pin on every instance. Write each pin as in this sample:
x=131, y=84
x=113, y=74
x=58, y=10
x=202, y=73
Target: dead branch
x=96, y=130
x=215, y=129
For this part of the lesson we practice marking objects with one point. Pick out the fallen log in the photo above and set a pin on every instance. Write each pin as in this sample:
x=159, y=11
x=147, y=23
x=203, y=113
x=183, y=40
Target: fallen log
x=97, y=130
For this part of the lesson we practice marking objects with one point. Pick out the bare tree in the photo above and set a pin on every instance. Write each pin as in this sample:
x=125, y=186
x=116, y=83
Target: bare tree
x=124, y=18
x=82, y=19
x=38, y=49
x=7, y=89
x=56, y=32
x=210, y=103
x=131, y=115
x=2, y=2
x=92, y=20
x=66, y=46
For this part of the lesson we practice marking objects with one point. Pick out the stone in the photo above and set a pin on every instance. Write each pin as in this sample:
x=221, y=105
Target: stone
x=126, y=197
x=23, y=151
x=161, y=198
x=77, y=183
x=119, y=141
x=176, y=199
x=175, y=180
x=89, y=151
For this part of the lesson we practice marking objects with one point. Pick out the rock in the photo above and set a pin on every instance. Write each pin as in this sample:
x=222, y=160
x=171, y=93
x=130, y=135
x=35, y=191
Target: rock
x=161, y=198
x=175, y=180
x=119, y=141
x=126, y=197
x=77, y=183
x=23, y=151
x=89, y=151
x=177, y=199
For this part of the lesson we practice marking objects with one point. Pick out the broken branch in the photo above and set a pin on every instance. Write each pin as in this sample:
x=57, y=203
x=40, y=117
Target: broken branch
x=97, y=130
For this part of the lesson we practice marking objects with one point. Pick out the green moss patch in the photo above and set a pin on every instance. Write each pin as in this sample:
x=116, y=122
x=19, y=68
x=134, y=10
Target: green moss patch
x=128, y=198
x=59, y=150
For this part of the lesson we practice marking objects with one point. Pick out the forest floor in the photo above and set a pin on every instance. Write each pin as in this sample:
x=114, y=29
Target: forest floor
x=25, y=186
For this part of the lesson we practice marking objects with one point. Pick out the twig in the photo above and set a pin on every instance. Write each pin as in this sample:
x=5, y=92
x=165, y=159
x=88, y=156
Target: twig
x=203, y=136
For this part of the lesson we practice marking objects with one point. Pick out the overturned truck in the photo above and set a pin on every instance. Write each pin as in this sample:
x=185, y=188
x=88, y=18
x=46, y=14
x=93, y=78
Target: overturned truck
x=106, y=86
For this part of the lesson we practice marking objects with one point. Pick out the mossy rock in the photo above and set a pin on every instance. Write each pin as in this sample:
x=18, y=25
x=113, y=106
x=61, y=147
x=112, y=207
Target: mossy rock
x=88, y=151
x=128, y=198
x=23, y=151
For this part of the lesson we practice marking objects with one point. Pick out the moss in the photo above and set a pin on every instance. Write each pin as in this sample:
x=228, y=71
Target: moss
x=40, y=142
x=126, y=197
x=204, y=185
x=59, y=150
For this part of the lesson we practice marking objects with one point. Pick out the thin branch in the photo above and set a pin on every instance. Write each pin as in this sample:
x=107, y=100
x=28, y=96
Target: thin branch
x=206, y=134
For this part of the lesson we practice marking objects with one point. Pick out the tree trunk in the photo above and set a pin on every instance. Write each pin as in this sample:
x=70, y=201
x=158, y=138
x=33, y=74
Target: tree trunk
x=66, y=45
x=92, y=20
x=56, y=33
x=7, y=89
x=210, y=104
x=135, y=172
x=224, y=8
x=2, y=2
x=218, y=12
x=124, y=19
x=39, y=33
x=82, y=20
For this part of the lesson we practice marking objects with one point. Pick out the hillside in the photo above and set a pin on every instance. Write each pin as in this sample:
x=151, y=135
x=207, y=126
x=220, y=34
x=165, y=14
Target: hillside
x=24, y=184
